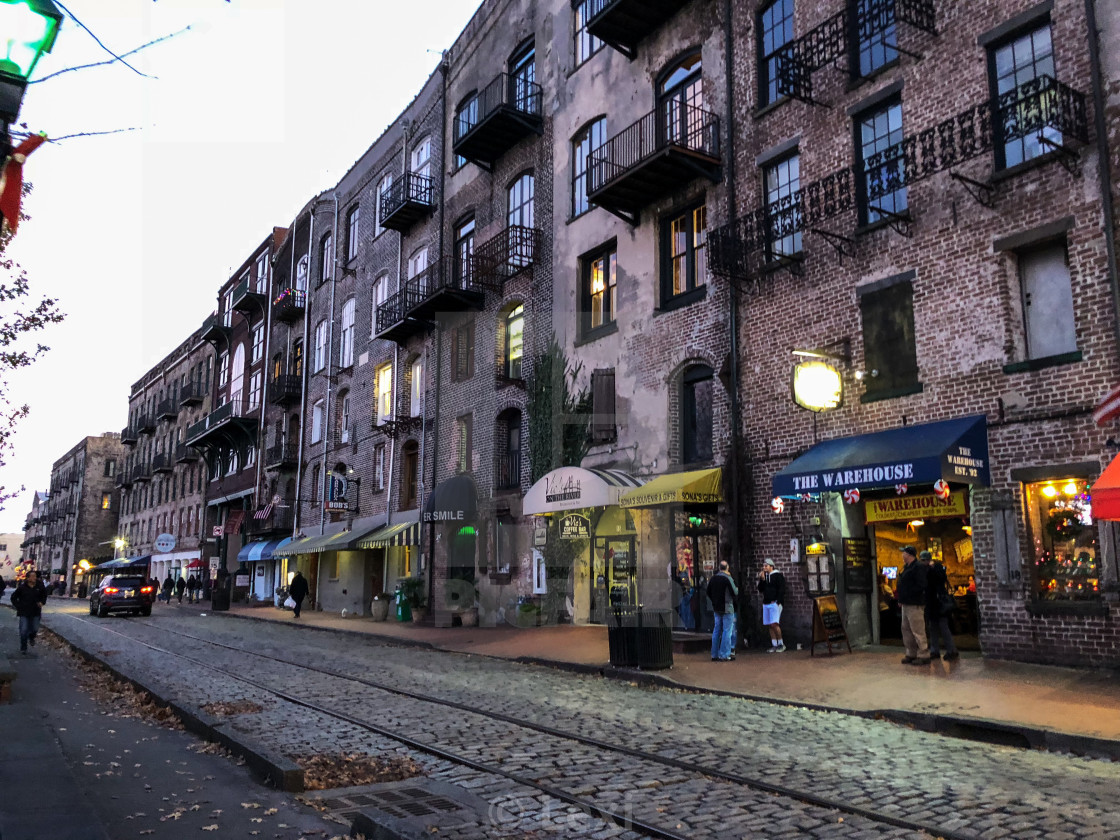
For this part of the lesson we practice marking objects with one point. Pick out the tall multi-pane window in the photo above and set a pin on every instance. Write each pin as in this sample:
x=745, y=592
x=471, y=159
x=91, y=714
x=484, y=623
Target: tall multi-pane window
x=255, y=382
x=326, y=257
x=682, y=97
x=416, y=390
x=462, y=352
x=464, y=251
x=685, y=241
x=775, y=30
x=301, y=273
x=514, y=342
x=697, y=387
x=600, y=275
x=297, y=358
x=590, y=139
x=320, y=347
x=466, y=118
x=384, y=381
x=586, y=43
x=879, y=134
x=344, y=417
x=410, y=474
x=352, y=220
x=223, y=369
x=520, y=201
x=383, y=187
x=258, y=343
x=378, y=297
x=262, y=274
x=783, y=225
x=379, y=467
x=317, y=421
x=522, y=75
x=422, y=158
x=346, y=336
x=463, y=443
x=1015, y=65
x=876, y=41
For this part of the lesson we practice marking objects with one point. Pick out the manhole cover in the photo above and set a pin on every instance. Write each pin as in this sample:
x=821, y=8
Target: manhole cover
x=403, y=810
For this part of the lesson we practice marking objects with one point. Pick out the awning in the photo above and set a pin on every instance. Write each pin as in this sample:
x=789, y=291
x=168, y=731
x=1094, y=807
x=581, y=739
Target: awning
x=122, y=563
x=340, y=541
x=696, y=487
x=953, y=450
x=403, y=533
x=454, y=500
x=572, y=488
x=196, y=564
x=1105, y=491
x=259, y=550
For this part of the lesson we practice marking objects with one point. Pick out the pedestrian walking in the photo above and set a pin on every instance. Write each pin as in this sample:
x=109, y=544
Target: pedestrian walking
x=28, y=599
x=723, y=592
x=939, y=606
x=168, y=588
x=297, y=591
x=911, y=596
x=772, y=586
x=192, y=589
x=180, y=588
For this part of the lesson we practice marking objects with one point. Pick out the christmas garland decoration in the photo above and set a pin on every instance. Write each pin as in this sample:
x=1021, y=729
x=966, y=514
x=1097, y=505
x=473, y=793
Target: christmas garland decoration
x=1064, y=524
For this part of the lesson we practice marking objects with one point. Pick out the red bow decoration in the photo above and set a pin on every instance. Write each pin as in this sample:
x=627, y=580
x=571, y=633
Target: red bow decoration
x=11, y=182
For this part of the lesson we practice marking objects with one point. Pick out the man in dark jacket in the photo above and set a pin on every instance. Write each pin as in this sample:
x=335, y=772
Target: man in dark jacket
x=28, y=599
x=192, y=589
x=939, y=606
x=180, y=588
x=911, y=596
x=723, y=591
x=168, y=588
x=772, y=587
x=298, y=591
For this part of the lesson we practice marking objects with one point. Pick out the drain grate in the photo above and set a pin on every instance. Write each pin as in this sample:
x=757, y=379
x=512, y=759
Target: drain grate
x=404, y=809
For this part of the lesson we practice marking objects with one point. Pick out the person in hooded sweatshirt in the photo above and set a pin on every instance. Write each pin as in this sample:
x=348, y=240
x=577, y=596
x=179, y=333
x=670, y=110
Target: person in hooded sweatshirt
x=28, y=599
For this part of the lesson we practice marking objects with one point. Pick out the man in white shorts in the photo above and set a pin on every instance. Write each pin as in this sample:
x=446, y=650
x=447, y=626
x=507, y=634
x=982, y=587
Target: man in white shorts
x=772, y=586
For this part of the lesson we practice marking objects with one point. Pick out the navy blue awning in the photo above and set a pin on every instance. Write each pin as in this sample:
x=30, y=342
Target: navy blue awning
x=953, y=450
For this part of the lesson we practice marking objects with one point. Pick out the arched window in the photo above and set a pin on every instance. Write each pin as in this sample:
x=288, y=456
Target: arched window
x=520, y=201
x=416, y=387
x=464, y=251
x=326, y=257
x=301, y=273
x=342, y=412
x=507, y=473
x=378, y=296
x=524, y=94
x=588, y=141
x=697, y=391
x=514, y=341
x=422, y=158
x=681, y=94
x=346, y=343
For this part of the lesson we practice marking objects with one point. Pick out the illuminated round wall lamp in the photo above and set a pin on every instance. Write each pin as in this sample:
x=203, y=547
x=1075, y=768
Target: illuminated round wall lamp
x=817, y=385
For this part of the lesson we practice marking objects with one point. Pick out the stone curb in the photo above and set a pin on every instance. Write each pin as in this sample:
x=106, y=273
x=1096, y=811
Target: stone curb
x=275, y=770
x=970, y=729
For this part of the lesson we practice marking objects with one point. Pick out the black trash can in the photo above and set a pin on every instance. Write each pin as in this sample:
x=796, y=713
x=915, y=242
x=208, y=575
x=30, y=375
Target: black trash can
x=654, y=637
x=622, y=640
x=220, y=595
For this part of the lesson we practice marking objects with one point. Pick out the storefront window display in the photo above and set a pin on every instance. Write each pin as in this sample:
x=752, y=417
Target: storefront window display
x=694, y=536
x=1064, y=543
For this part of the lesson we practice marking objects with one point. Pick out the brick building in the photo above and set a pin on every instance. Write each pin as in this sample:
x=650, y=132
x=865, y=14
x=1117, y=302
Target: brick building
x=82, y=508
x=163, y=480
x=34, y=529
x=918, y=209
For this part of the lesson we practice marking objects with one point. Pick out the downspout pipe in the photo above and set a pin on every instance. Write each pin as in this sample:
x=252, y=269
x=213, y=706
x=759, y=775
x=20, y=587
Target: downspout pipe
x=1104, y=165
x=306, y=358
x=330, y=359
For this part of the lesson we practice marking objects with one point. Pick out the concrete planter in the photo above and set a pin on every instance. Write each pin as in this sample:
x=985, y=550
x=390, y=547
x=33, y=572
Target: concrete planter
x=379, y=609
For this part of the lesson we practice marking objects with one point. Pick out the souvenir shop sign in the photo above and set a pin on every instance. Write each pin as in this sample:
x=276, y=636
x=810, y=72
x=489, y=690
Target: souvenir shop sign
x=575, y=526
x=918, y=506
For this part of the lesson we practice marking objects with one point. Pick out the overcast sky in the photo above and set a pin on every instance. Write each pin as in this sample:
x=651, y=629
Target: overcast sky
x=260, y=106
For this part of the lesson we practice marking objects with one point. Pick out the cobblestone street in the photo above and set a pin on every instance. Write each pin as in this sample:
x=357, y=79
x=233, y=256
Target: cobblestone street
x=848, y=776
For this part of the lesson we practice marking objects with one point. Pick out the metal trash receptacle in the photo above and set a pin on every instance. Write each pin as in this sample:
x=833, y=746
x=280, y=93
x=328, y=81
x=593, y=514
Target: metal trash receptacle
x=654, y=637
x=622, y=640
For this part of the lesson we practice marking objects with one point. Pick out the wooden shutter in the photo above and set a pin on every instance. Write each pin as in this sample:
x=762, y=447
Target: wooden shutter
x=603, y=428
x=455, y=355
x=468, y=334
x=1005, y=545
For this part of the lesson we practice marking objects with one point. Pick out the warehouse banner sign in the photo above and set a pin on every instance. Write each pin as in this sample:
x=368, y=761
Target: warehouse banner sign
x=918, y=506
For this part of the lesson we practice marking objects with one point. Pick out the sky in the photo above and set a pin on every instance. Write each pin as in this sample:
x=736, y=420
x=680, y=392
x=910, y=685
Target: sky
x=237, y=122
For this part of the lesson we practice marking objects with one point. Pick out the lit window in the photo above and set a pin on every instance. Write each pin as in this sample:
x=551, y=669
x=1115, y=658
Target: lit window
x=600, y=278
x=1064, y=548
x=416, y=390
x=686, y=265
x=384, y=394
x=106, y=501
x=515, y=342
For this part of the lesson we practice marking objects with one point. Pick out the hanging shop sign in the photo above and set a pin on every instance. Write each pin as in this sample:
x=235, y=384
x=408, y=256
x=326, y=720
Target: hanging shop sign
x=165, y=543
x=923, y=506
x=575, y=526
x=334, y=495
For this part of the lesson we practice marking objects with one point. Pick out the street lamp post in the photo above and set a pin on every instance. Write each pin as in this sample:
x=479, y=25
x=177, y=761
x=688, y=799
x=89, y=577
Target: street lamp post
x=27, y=30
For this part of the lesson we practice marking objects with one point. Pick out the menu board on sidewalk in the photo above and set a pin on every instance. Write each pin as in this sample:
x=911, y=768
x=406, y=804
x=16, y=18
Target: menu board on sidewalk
x=828, y=625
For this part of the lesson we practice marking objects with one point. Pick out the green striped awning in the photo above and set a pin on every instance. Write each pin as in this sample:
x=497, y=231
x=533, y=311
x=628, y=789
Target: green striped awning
x=341, y=541
x=403, y=533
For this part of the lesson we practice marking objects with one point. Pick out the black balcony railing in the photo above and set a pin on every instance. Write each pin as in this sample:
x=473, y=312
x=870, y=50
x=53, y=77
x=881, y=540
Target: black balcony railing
x=162, y=462
x=289, y=305
x=622, y=24
x=393, y=323
x=229, y=421
x=192, y=394
x=278, y=519
x=124, y=478
x=499, y=115
x=246, y=298
x=410, y=199
x=664, y=150
x=506, y=255
x=285, y=389
x=185, y=454
x=447, y=285
x=168, y=409
x=215, y=329
x=1042, y=108
x=281, y=455
x=146, y=424
x=507, y=470
x=142, y=472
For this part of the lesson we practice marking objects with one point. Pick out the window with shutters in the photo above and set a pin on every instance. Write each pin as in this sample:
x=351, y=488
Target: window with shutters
x=410, y=474
x=315, y=484
x=604, y=427
x=1064, y=545
x=463, y=443
x=889, y=351
x=462, y=352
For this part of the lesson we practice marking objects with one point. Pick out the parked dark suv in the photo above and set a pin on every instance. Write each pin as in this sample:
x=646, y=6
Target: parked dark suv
x=118, y=593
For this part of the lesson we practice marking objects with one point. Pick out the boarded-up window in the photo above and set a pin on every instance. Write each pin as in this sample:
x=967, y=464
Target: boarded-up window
x=462, y=352
x=603, y=424
x=890, y=355
x=1047, y=302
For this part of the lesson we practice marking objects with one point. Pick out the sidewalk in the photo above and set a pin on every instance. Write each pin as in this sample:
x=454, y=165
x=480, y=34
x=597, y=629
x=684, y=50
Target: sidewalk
x=1002, y=702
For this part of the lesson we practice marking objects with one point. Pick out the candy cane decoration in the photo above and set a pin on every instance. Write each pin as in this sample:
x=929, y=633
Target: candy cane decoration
x=941, y=489
x=851, y=496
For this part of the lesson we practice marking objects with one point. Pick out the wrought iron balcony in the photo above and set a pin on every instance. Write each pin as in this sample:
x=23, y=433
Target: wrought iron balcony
x=146, y=424
x=279, y=519
x=411, y=198
x=168, y=409
x=162, y=463
x=281, y=456
x=393, y=321
x=124, y=479
x=447, y=285
x=663, y=151
x=285, y=389
x=622, y=24
x=229, y=426
x=185, y=454
x=498, y=117
x=192, y=394
x=507, y=471
x=142, y=472
x=247, y=299
x=289, y=305
x=1045, y=108
x=506, y=255
x=215, y=329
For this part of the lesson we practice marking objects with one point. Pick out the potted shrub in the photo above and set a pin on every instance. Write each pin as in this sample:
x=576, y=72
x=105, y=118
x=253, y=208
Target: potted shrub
x=415, y=592
x=379, y=607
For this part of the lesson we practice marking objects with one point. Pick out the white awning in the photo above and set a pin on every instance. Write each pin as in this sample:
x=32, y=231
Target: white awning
x=572, y=488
